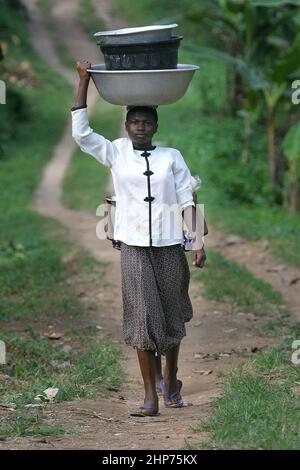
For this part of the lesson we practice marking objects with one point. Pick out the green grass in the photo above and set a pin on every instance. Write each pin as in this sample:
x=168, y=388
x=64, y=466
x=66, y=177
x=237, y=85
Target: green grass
x=88, y=18
x=148, y=12
x=28, y=423
x=258, y=409
x=46, y=431
x=86, y=179
x=60, y=48
x=45, y=5
x=29, y=263
x=32, y=359
x=63, y=53
x=93, y=369
x=32, y=280
x=227, y=282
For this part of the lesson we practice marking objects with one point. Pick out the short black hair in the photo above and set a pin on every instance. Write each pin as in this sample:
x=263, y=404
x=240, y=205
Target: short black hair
x=141, y=109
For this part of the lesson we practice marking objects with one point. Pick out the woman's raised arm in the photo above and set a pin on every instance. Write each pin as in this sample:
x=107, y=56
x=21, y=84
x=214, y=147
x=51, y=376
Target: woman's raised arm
x=89, y=141
x=84, y=80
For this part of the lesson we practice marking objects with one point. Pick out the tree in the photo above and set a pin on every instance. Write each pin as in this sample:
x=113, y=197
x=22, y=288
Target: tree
x=262, y=44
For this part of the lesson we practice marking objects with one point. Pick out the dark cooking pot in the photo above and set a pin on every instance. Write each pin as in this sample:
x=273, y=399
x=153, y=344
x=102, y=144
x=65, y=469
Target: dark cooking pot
x=142, y=56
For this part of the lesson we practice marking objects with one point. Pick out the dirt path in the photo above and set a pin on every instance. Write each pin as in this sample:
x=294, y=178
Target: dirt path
x=105, y=423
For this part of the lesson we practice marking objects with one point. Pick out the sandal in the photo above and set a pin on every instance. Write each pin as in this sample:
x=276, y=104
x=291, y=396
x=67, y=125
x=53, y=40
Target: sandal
x=161, y=388
x=144, y=411
x=174, y=400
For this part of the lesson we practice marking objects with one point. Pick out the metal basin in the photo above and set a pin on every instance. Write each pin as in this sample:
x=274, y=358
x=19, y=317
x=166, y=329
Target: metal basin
x=134, y=35
x=142, y=87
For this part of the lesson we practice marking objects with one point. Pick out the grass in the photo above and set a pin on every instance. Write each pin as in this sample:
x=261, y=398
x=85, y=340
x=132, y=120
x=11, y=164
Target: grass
x=46, y=431
x=258, y=409
x=30, y=269
x=86, y=180
x=93, y=369
x=32, y=280
x=35, y=363
x=27, y=423
x=33, y=366
x=88, y=18
x=39, y=272
x=45, y=5
x=227, y=282
x=60, y=48
x=63, y=53
x=148, y=12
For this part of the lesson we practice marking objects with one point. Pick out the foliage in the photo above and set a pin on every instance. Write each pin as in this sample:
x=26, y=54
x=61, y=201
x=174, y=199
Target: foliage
x=258, y=409
x=291, y=142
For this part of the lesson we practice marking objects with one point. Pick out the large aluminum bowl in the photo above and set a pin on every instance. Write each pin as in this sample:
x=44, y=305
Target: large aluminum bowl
x=142, y=87
x=133, y=35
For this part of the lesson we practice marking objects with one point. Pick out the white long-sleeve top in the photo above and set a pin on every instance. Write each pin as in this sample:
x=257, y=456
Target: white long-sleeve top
x=151, y=188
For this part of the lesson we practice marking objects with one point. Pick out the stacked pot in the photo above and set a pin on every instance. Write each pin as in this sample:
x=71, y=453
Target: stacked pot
x=141, y=66
x=148, y=48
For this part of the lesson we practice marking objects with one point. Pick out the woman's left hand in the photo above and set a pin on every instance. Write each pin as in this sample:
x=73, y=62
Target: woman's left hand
x=199, y=258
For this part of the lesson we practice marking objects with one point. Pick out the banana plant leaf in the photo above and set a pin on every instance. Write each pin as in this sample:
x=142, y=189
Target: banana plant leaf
x=291, y=143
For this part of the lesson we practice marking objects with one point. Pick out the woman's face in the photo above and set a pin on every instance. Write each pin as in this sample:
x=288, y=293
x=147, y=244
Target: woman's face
x=141, y=127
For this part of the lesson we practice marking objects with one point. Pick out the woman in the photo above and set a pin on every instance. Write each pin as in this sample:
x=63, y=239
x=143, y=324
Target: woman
x=153, y=193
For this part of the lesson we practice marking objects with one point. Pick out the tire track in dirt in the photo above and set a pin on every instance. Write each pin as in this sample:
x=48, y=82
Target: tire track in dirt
x=104, y=423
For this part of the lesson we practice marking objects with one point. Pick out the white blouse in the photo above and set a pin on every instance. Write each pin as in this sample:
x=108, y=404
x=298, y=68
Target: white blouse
x=152, y=188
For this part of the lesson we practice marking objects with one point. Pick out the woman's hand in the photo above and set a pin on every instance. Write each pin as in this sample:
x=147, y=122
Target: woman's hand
x=199, y=258
x=82, y=66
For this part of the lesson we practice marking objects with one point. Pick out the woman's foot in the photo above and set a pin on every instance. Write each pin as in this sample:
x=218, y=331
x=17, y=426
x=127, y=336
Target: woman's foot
x=149, y=408
x=144, y=410
x=171, y=392
x=174, y=400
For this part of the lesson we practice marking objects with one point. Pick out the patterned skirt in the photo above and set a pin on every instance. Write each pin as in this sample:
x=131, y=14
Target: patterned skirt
x=156, y=303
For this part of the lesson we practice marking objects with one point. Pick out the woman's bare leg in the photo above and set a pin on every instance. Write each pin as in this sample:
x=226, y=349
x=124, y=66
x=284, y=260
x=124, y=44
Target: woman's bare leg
x=170, y=370
x=148, y=370
x=158, y=371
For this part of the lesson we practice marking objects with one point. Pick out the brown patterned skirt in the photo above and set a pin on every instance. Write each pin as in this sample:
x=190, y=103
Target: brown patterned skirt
x=156, y=303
